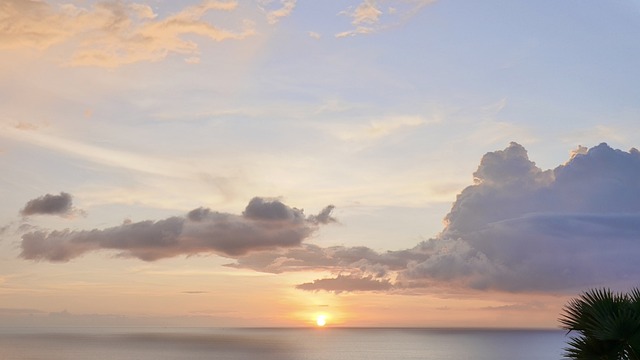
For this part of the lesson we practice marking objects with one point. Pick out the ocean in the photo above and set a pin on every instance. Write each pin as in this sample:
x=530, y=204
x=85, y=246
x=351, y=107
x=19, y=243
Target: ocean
x=279, y=343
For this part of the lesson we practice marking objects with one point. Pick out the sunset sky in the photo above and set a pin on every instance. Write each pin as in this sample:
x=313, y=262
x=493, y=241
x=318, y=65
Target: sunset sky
x=264, y=162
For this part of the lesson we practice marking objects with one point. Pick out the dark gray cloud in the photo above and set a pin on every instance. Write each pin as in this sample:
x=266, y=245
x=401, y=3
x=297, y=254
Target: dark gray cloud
x=517, y=228
x=198, y=214
x=264, y=209
x=324, y=217
x=309, y=257
x=343, y=283
x=201, y=231
x=49, y=205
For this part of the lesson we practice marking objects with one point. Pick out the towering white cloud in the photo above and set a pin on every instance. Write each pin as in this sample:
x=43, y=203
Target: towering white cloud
x=523, y=229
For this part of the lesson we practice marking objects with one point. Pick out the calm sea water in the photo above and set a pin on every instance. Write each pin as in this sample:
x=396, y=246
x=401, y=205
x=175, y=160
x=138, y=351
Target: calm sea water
x=282, y=344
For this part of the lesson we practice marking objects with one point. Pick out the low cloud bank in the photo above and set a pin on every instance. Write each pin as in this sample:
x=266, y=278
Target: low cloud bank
x=264, y=225
x=347, y=283
x=518, y=228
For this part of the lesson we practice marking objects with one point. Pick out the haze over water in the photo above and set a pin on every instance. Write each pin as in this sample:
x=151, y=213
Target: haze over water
x=279, y=343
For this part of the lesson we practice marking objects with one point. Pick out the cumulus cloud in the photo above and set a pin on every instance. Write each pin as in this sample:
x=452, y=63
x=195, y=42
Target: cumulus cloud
x=347, y=283
x=111, y=33
x=264, y=225
x=517, y=228
x=61, y=205
x=261, y=209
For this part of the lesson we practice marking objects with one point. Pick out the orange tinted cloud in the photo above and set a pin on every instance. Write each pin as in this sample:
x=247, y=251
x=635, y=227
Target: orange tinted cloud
x=112, y=33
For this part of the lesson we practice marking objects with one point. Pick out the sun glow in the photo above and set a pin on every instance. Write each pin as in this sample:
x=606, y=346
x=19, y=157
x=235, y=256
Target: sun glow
x=321, y=320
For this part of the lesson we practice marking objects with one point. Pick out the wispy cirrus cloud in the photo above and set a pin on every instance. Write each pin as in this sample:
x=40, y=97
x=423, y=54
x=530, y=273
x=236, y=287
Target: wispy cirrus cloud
x=93, y=153
x=371, y=16
x=281, y=9
x=112, y=33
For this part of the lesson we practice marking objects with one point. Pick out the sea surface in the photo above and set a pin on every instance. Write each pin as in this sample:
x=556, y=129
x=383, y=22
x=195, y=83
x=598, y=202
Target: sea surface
x=279, y=343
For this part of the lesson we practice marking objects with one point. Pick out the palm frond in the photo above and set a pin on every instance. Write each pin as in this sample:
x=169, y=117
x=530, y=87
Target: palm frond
x=606, y=325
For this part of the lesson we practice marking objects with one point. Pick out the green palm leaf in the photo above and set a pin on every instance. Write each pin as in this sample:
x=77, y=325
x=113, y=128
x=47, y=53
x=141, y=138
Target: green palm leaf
x=606, y=325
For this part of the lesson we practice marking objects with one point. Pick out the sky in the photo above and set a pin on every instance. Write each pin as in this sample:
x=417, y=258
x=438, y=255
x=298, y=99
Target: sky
x=431, y=163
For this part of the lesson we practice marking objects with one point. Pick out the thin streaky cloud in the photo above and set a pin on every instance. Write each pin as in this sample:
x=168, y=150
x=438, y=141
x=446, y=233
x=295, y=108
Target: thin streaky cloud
x=372, y=16
x=113, y=33
x=100, y=155
x=275, y=15
x=343, y=283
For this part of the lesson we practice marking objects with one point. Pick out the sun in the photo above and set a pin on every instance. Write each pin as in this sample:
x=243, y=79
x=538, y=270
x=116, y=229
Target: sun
x=321, y=320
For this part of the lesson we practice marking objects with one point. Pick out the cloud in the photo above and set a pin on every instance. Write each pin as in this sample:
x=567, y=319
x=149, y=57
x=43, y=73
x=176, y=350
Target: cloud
x=309, y=257
x=370, y=17
x=112, y=33
x=362, y=17
x=379, y=128
x=264, y=225
x=274, y=15
x=314, y=35
x=261, y=209
x=19, y=311
x=518, y=228
x=100, y=155
x=324, y=217
x=366, y=13
x=32, y=24
x=529, y=306
x=61, y=205
x=347, y=283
